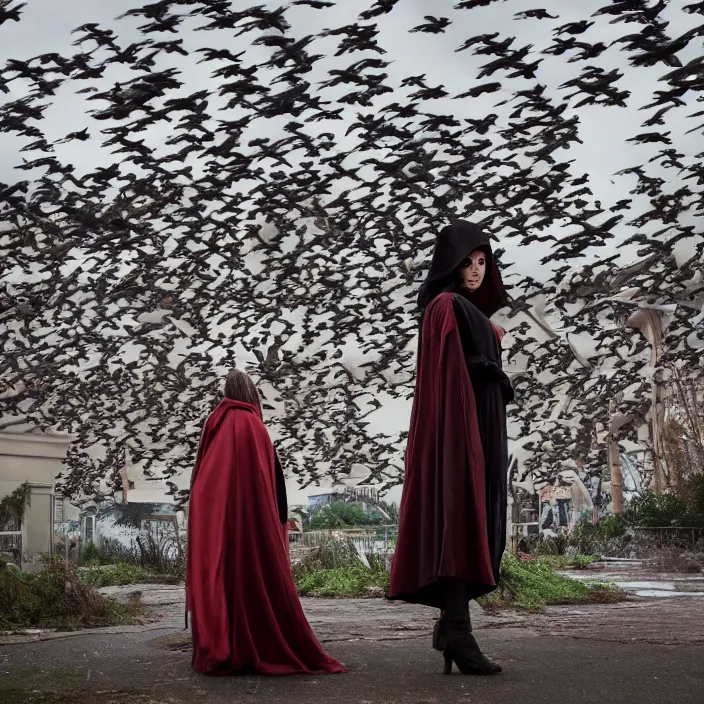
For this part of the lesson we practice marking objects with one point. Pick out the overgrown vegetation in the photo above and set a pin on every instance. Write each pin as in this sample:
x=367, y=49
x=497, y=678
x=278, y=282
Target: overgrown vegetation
x=561, y=562
x=145, y=561
x=122, y=573
x=335, y=569
x=344, y=514
x=533, y=585
x=607, y=539
x=684, y=508
x=55, y=597
x=356, y=580
x=13, y=506
x=613, y=526
x=634, y=533
x=625, y=534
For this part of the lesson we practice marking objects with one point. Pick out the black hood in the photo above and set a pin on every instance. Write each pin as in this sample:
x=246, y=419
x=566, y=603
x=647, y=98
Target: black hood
x=454, y=244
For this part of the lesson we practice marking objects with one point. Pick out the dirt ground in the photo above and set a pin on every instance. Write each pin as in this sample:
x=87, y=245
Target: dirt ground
x=640, y=651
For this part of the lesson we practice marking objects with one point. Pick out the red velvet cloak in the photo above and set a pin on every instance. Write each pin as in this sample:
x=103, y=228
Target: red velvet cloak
x=245, y=613
x=443, y=517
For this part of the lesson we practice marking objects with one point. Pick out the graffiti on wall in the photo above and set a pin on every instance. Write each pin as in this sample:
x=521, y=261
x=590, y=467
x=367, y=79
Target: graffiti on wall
x=126, y=523
x=565, y=503
x=558, y=503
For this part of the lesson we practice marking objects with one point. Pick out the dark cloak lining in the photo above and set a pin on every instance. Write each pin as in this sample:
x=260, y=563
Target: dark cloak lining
x=443, y=526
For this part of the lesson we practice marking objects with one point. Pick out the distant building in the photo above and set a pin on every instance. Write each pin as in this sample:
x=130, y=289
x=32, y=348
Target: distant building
x=365, y=494
x=33, y=458
x=124, y=523
x=343, y=493
x=294, y=525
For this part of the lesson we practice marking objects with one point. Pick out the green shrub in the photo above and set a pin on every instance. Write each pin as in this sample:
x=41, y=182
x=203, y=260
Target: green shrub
x=350, y=581
x=533, y=586
x=581, y=562
x=91, y=554
x=343, y=514
x=560, y=562
x=653, y=509
x=613, y=526
x=123, y=573
x=544, y=545
x=56, y=598
x=693, y=494
x=586, y=538
x=656, y=510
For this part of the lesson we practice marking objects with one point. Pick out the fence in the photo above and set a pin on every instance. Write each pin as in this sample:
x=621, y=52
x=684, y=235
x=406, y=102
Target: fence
x=688, y=539
x=11, y=543
x=375, y=539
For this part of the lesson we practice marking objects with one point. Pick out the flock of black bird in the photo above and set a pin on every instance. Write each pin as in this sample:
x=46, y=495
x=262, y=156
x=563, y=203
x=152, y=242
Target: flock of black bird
x=277, y=212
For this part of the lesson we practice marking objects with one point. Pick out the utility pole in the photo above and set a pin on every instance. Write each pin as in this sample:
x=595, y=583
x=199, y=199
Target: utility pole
x=615, y=461
x=654, y=318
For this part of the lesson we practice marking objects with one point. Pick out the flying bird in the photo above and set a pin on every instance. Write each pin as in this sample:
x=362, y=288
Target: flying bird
x=196, y=238
x=433, y=25
x=538, y=14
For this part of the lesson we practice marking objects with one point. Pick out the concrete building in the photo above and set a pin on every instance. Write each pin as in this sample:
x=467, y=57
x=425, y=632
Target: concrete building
x=125, y=523
x=34, y=458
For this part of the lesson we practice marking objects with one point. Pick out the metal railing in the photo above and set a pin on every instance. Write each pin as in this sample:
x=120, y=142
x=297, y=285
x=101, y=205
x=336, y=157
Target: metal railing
x=11, y=543
x=367, y=539
x=671, y=536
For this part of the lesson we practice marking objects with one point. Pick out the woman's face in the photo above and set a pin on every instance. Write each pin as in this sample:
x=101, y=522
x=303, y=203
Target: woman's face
x=473, y=269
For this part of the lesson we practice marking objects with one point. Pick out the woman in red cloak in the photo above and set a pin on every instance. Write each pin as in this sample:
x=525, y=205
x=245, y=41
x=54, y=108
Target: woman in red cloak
x=452, y=526
x=245, y=613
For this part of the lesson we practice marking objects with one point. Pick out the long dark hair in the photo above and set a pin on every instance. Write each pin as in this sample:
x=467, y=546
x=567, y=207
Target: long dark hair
x=240, y=387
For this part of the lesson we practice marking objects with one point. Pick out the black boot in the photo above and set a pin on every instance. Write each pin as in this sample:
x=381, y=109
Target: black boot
x=453, y=635
x=461, y=648
x=440, y=633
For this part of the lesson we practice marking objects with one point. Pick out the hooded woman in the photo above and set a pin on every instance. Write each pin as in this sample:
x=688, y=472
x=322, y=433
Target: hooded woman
x=245, y=613
x=452, y=527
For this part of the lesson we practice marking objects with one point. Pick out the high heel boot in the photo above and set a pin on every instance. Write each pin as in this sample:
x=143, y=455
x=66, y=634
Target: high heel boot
x=440, y=633
x=453, y=634
x=461, y=647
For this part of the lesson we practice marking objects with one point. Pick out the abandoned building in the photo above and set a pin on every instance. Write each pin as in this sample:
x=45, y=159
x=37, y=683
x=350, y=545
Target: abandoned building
x=31, y=458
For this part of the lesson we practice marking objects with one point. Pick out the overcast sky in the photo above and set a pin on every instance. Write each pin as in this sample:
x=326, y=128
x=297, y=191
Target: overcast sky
x=46, y=27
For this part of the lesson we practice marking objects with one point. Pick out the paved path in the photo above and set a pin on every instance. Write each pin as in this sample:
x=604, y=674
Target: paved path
x=638, y=651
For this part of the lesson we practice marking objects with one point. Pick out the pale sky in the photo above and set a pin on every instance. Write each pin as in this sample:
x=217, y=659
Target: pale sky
x=46, y=27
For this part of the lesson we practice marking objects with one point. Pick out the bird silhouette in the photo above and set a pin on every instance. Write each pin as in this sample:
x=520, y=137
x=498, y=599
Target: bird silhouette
x=272, y=203
x=433, y=25
x=10, y=10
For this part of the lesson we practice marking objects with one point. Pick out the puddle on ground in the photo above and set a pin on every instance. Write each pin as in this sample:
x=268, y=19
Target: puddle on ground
x=663, y=593
x=646, y=588
x=649, y=585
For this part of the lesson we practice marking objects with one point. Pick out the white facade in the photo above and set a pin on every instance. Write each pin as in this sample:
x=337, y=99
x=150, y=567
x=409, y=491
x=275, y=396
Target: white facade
x=36, y=459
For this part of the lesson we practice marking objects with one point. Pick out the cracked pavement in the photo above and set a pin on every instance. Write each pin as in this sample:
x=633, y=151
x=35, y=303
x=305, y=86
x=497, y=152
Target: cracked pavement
x=641, y=650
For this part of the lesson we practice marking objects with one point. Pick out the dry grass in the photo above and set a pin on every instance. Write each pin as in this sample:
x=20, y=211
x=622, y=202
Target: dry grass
x=673, y=559
x=334, y=569
x=56, y=598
